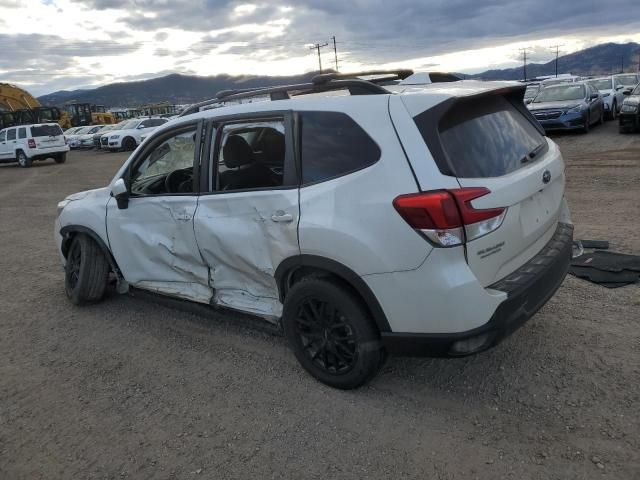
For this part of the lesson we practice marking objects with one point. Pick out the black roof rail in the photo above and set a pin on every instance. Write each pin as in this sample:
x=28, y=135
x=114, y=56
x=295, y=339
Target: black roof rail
x=385, y=75
x=282, y=92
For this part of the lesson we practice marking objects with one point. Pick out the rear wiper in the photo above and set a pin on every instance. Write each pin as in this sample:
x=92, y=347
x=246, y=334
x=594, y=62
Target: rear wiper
x=532, y=154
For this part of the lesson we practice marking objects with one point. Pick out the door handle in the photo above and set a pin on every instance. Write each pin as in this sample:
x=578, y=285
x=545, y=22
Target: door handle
x=282, y=217
x=184, y=216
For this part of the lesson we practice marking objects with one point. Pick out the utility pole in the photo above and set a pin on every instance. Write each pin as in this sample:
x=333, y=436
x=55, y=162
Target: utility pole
x=524, y=57
x=621, y=63
x=335, y=51
x=317, y=47
x=556, y=47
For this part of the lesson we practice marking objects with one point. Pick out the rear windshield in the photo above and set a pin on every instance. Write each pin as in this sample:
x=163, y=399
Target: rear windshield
x=487, y=137
x=46, y=131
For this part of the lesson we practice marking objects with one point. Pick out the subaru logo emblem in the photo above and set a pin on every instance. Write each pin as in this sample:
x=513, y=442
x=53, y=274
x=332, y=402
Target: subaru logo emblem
x=546, y=176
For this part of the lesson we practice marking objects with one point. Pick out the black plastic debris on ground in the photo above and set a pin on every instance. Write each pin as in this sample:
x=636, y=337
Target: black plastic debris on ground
x=609, y=269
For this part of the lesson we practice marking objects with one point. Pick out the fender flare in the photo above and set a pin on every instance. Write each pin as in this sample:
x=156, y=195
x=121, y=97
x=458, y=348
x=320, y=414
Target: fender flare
x=69, y=231
x=341, y=271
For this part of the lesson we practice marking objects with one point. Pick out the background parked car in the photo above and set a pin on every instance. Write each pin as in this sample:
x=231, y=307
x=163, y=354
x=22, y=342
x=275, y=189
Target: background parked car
x=630, y=111
x=128, y=137
x=568, y=107
x=532, y=90
x=612, y=96
x=626, y=80
x=26, y=143
x=95, y=138
x=86, y=140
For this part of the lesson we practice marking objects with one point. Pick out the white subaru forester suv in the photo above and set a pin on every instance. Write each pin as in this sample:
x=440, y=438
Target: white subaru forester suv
x=430, y=221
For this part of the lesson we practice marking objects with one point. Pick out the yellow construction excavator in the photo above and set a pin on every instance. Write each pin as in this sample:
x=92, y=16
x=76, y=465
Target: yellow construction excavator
x=19, y=107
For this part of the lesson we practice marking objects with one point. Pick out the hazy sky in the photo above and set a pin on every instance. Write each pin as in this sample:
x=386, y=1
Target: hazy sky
x=49, y=45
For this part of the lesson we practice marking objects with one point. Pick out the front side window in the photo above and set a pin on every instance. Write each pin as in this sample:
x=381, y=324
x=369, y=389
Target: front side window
x=251, y=156
x=11, y=134
x=168, y=168
x=333, y=144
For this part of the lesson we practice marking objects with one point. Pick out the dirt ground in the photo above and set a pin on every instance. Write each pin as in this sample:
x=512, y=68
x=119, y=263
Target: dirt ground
x=131, y=388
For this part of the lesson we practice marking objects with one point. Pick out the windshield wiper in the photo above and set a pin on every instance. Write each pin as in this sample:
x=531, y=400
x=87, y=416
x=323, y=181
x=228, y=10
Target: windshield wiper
x=532, y=154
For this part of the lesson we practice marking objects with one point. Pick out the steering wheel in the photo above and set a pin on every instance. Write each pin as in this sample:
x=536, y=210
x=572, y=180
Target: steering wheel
x=179, y=181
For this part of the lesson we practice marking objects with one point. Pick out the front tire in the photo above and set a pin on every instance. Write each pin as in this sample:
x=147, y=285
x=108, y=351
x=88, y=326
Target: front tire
x=129, y=144
x=331, y=333
x=587, y=124
x=613, y=114
x=23, y=160
x=86, y=271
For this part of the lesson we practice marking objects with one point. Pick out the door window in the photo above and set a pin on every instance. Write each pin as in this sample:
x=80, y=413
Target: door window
x=2, y=136
x=168, y=167
x=11, y=134
x=252, y=155
x=22, y=133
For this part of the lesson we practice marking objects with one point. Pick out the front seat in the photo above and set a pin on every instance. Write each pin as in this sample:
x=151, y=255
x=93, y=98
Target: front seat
x=244, y=171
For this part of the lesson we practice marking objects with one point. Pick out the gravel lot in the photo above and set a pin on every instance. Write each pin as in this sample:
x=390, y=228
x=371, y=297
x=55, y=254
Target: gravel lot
x=132, y=388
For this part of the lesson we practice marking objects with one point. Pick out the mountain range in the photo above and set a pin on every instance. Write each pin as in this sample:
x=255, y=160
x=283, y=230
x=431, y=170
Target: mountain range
x=184, y=89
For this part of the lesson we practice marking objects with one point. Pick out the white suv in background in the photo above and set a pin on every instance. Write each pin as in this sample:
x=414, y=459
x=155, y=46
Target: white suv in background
x=128, y=137
x=26, y=143
x=612, y=95
x=431, y=222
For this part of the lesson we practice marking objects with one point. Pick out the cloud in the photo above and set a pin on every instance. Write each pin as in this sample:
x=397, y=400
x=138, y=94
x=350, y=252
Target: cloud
x=140, y=37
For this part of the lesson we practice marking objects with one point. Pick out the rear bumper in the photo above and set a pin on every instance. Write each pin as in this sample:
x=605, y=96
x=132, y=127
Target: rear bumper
x=527, y=289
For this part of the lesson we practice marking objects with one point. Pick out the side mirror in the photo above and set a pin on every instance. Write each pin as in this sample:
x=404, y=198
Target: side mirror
x=594, y=96
x=120, y=192
x=528, y=101
x=627, y=92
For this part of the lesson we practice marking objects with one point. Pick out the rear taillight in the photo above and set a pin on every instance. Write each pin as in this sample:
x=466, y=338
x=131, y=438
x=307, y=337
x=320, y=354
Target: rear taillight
x=446, y=217
x=31, y=143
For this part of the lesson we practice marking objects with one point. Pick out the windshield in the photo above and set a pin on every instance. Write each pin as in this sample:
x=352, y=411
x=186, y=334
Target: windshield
x=631, y=80
x=561, y=93
x=531, y=91
x=602, y=84
x=82, y=130
x=129, y=125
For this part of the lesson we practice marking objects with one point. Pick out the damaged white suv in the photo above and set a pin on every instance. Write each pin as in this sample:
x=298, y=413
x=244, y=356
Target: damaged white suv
x=426, y=222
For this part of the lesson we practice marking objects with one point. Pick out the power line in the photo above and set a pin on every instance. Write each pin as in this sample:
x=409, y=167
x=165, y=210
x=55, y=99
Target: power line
x=317, y=47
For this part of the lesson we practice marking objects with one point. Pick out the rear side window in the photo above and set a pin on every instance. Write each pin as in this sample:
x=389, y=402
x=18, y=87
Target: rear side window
x=486, y=137
x=46, y=131
x=22, y=132
x=333, y=144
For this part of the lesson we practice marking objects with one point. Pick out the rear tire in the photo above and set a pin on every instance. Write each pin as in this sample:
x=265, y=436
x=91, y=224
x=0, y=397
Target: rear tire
x=129, y=144
x=61, y=158
x=86, y=271
x=331, y=333
x=601, y=119
x=23, y=160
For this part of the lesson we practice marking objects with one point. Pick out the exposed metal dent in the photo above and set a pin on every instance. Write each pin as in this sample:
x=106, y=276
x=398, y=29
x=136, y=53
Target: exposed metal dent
x=243, y=247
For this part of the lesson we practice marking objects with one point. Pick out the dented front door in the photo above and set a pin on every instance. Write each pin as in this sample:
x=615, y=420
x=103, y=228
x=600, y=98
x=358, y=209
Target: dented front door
x=155, y=246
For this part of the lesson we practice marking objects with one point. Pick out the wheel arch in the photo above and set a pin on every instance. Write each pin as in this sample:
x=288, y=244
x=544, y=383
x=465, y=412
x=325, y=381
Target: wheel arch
x=305, y=265
x=69, y=232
